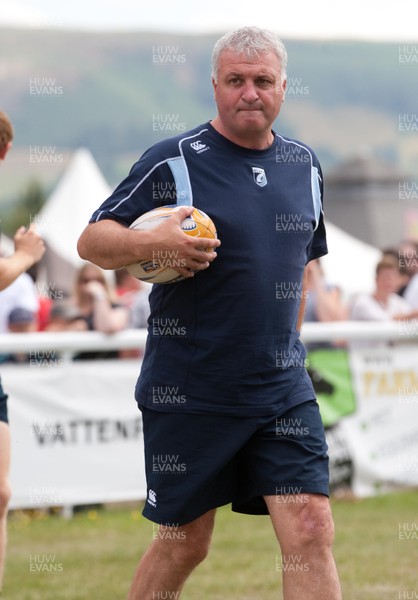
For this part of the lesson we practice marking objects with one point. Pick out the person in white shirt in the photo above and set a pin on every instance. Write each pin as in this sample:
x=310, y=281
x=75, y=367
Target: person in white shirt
x=384, y=304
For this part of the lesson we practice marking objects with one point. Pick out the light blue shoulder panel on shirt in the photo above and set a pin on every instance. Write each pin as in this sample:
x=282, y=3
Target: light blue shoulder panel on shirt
x=181, y=179
x=316, y=194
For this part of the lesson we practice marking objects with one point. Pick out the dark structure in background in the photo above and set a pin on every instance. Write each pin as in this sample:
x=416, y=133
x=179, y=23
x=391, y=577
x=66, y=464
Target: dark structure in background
x=373, y=201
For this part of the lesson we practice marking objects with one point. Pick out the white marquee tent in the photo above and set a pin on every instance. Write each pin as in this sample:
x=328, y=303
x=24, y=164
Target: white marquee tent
x=66, y=213
x=350, y=263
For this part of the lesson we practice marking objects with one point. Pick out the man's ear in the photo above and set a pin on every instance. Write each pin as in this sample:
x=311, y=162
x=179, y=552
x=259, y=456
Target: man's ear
x=214, y=85
x=4, y=150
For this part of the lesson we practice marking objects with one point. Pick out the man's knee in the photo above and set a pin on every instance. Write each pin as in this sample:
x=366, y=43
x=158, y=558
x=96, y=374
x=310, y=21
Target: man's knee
x=188, y=544
x=315, y=525
x=5, y=493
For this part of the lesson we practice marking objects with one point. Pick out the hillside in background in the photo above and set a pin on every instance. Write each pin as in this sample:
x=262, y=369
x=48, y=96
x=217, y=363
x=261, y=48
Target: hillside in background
x=117, y=93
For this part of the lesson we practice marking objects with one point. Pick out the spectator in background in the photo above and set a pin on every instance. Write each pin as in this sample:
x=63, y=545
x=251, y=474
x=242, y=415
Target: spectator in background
x=323, y=304
x=97, y=304
x=127, y=286
x=324, y=301
x=408, y=264
x=29, y=249
x=133, y=293
x=408, y=261
x=384, y=304
x=20, y=320
x=64, y=316
x=406, y=256
x=17, y=286
x=140, y=309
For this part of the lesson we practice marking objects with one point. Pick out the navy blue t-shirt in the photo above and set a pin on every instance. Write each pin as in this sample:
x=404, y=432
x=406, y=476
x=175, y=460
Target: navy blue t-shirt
x=225, y=341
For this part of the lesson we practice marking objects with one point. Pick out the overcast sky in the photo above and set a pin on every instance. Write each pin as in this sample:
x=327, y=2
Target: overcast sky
x=354, y=19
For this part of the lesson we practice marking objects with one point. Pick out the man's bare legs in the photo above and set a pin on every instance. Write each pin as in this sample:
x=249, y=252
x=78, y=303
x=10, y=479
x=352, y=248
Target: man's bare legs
x=305, y=530
x=171, y=558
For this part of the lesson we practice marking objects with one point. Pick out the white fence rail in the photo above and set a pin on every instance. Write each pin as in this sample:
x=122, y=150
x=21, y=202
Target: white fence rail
x=135, y=338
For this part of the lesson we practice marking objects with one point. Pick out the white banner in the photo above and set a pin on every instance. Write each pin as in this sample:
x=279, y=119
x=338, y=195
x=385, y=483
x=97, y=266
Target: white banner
x=76, y=432
x=77, y=435
x=382, y=435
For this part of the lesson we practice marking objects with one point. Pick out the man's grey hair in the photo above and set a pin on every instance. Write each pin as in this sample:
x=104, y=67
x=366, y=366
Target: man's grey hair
x=250, y=41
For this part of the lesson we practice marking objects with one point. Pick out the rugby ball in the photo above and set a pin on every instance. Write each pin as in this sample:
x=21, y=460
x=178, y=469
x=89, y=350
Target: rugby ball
x=162, y=267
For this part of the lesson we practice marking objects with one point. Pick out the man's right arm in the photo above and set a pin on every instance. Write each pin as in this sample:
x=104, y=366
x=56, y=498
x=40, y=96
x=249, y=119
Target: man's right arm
x=111, y=245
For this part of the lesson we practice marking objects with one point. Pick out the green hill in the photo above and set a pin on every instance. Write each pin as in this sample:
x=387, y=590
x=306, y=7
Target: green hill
x=117, y=93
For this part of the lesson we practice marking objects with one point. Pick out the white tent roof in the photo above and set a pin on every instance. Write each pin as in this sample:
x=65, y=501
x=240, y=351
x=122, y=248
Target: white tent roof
x=67, y=211
x=350, y=263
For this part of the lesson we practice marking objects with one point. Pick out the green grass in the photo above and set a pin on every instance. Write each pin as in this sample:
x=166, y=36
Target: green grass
x=95, y=554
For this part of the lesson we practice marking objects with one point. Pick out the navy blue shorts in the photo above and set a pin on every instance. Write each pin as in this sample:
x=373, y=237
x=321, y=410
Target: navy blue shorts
x=196, y=462
x=3, y=405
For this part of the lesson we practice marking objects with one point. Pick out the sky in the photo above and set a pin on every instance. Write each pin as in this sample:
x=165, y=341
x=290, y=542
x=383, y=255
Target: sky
x=331, y=19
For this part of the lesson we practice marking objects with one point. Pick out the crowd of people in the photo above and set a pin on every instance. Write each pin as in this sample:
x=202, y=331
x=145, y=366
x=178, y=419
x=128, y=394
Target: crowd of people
x=395, y=294
x=100, y=301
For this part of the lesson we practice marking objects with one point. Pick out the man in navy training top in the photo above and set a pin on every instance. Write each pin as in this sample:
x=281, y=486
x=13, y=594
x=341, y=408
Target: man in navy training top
x=229, y=412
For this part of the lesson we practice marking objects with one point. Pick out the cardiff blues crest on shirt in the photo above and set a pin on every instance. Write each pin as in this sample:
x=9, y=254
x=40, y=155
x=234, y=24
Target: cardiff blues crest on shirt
x=259, y=176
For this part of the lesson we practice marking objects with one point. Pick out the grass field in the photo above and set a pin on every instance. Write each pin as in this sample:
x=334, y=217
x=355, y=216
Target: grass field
x=93, y=555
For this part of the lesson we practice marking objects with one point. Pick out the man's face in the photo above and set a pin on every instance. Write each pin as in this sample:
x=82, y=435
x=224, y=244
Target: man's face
x=248, y=93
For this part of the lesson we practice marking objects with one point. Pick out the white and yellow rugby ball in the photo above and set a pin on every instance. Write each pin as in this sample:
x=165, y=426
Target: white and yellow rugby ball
x=162, y=267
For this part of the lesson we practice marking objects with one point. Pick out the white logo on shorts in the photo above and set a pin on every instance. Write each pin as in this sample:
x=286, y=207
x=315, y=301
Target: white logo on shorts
x=152, y=498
